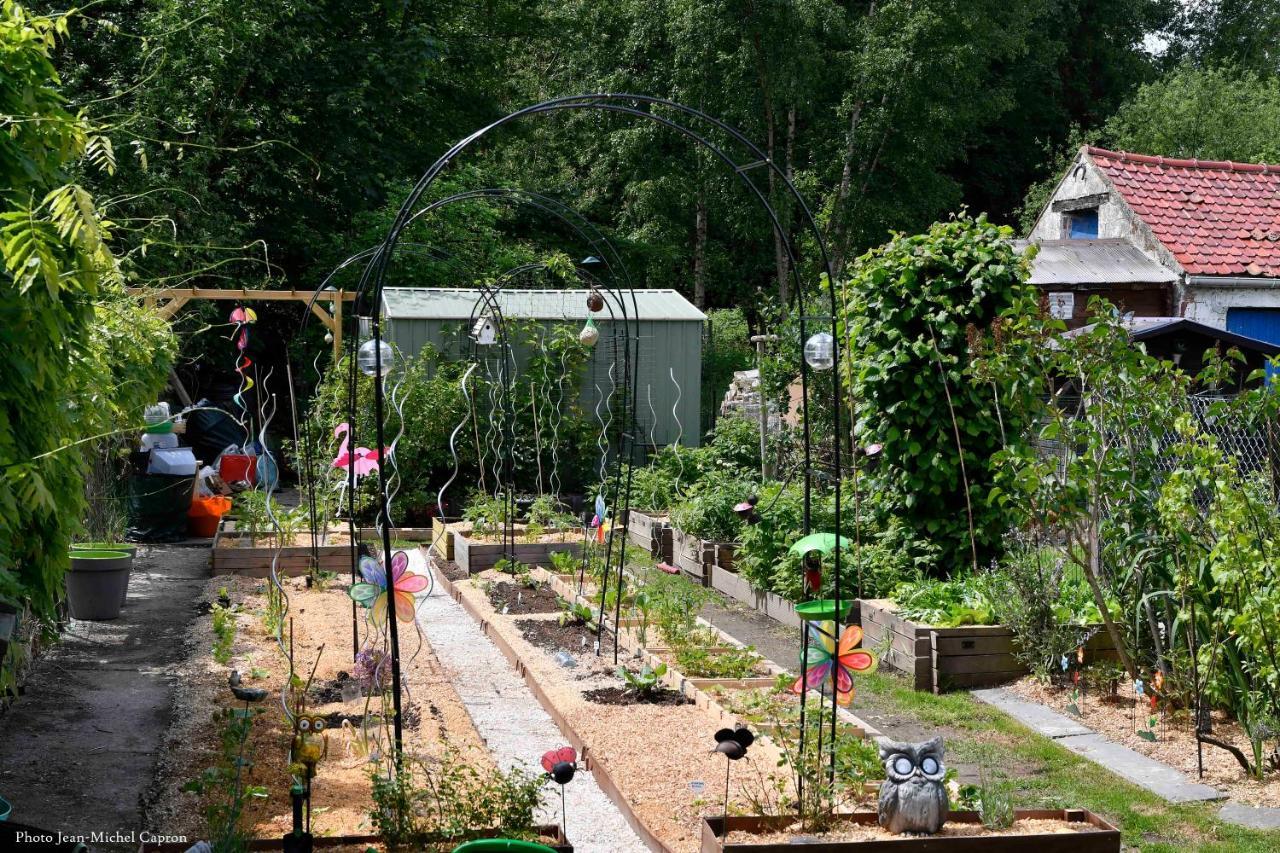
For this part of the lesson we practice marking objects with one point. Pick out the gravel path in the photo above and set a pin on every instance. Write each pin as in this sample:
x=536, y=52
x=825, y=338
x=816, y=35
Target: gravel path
x=514, y=726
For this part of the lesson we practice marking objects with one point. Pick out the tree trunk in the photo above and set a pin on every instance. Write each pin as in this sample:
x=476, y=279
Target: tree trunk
x=1092, y=568
x=700, y=251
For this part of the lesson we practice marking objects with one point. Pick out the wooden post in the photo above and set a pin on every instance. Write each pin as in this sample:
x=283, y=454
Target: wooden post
x=337, y=325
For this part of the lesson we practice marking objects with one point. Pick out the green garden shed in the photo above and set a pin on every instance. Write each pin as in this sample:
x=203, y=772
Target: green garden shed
x=668, y=351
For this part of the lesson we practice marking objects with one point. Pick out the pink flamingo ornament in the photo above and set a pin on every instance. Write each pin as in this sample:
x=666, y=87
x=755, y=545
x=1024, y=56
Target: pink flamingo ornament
x=363, y=460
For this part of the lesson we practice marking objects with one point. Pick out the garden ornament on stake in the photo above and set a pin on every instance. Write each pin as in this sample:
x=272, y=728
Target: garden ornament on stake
x=372, y=592
x=560, y=765
x=913, y=798
x=732, y=744
x=828, y=663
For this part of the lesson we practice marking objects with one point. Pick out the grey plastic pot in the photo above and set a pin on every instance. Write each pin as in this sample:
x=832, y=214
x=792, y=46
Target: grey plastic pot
x=97, y=584
x=127, y=547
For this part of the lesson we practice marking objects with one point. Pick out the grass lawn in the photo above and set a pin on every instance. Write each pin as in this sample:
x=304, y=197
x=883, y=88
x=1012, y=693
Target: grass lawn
x=1049, y=776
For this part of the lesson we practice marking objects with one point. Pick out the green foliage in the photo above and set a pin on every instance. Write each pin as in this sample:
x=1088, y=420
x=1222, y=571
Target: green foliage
x=675, y=602
x=224, y=632
x=701, y=663
x=922, y=312
x=223, y=795
x=707, y=511
x=80, y=358
x=645, y=682
x=727, y=349
x=1205, y=113
x=944, y=604
x=577, y=614
x=452, y=799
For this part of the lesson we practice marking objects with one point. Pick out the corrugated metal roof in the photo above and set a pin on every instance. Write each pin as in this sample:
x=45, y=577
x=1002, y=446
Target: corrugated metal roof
x=1145, y=328
x=447, y=303
x=1095, y=262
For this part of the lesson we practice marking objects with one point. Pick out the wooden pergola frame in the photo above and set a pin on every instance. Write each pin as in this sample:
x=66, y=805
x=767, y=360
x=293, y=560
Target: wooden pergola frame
x=167, y=301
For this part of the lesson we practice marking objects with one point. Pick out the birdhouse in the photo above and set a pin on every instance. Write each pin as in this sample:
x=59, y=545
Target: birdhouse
x=485, y=331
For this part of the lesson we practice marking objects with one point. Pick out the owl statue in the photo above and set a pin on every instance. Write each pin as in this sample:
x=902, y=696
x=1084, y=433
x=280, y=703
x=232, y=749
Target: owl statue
x=913, y=799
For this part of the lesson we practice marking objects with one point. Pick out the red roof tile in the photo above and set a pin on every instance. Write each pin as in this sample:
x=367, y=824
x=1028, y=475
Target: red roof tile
x=1216, y=218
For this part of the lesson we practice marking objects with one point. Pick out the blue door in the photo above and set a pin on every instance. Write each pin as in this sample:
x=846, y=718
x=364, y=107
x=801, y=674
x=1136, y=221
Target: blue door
x=1261, y=324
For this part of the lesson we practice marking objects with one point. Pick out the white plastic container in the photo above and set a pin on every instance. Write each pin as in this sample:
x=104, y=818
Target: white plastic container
x=179, y=461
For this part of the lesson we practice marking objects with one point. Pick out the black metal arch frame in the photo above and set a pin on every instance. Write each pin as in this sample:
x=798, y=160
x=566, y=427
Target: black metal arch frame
x=638, y=106
x=582, y=228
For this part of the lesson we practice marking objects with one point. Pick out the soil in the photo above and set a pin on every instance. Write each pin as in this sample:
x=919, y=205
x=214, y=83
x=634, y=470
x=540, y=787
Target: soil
x=622, y=696
x=1120, y=718
x=451, y=570
x=297, y=540
x=549, y=634
x=873, y=832
x=434, y=717
x=519, y=599
x=562, y=535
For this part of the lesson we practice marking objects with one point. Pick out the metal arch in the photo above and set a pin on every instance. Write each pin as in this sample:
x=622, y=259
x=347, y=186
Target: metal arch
x=375, y=271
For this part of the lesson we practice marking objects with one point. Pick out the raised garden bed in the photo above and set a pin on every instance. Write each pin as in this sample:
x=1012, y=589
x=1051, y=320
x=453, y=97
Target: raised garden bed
x=1077, y=831
x=740, y=589
x=652, y=531
x=696, y=557
x=475, y=554
x=236, y=553
x=942, y=659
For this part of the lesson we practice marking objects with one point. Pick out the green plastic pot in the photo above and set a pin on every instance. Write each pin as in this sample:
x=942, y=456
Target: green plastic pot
x=97, y=584
x=127, y=547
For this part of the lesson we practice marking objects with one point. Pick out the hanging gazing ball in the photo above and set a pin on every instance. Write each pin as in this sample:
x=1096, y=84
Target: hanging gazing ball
x=595, y=302
x=589, y=334
x=367, y=358
x=328, y=337
x=819, y=351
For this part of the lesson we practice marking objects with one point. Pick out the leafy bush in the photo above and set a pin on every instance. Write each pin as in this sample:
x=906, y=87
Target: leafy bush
x=701, y=663
x=707, y=512
x=923, y=309
x=944, y=604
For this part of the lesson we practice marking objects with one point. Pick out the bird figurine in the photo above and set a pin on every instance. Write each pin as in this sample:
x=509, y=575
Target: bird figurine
x=913, y=798
x=245, y=694
x=308, y=750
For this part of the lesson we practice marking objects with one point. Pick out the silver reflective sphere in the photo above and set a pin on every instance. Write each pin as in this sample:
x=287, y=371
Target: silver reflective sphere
x=819, y=351
x=367, y=358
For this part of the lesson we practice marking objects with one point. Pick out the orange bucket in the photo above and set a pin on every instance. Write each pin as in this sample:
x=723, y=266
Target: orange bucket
x=204, y=515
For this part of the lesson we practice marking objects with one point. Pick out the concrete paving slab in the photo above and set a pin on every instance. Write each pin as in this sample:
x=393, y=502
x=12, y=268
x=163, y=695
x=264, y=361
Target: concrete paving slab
x=79, y=748
x=1031, y=714
x=1155, y=776
x=1251, y=817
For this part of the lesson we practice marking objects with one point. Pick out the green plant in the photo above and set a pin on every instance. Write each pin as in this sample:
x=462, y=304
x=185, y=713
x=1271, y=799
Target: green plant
x=575, y=613
x=644, y=683
x=510, y=566
x=487, y=514
x=944, y=604
x=224, y=796
x=452, y=799
x=564, y=563
x=675, y=602
x=920, y=313
x=701, y=663
x=707, y=512
x=224, y=632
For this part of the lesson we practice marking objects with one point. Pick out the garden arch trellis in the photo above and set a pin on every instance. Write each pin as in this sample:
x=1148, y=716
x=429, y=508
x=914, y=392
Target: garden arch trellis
x=642, y=107
x=605, y=253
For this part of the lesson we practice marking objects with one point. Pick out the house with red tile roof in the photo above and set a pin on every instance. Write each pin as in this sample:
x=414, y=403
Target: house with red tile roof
x=1164, y=237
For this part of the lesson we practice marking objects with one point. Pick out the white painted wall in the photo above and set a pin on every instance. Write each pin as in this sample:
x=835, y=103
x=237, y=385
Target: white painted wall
x=1115, y=219
x=1209, y=305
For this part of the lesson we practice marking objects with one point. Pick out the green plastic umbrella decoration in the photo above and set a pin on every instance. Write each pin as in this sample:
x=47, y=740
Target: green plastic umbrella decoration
x=824, y=542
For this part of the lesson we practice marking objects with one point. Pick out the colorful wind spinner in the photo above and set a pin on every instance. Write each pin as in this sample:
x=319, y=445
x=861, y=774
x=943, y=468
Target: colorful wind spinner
x=372, y=593
x=825, y=656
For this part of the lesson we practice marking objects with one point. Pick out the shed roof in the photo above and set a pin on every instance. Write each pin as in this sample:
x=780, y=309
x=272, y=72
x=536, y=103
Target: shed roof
x=1095, y=262
x=1217, y=218
x=1148, y=328
x=459, y=303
